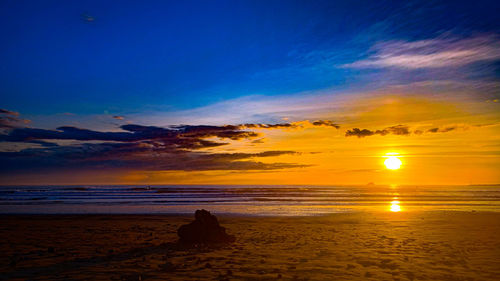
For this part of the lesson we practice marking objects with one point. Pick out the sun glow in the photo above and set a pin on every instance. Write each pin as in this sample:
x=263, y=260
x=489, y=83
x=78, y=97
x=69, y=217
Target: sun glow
x=395, y=206
x=393, y=163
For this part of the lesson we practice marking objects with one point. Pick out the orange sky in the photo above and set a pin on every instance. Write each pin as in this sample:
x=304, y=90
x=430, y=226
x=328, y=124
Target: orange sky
x=451, y=138
x=468, y=154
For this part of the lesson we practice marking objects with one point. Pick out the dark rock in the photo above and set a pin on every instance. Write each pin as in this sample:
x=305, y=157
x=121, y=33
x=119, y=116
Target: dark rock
x=204, y=229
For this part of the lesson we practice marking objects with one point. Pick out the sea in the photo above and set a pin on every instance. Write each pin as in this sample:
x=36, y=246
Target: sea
x=255, y=200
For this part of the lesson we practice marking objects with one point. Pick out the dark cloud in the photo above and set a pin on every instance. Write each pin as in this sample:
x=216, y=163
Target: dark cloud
x=7, y=122
x=294, y=125
x=117, y=117
x=327, y=123
x=271, y=126
x=134, y=156
x=8, y=112
x=359, y=133
x=10, y=119
x=135, y=147
x=441, y=130
x=400, y=130
x=203, y=131
x=43, y=143
x=67, y=133
x=185, y=136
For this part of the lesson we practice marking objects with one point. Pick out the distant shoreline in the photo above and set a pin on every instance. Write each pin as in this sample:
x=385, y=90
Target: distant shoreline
x=270, y=200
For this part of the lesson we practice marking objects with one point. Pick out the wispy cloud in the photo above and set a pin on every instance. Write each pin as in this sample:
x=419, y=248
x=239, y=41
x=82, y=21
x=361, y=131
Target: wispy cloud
x=431, y=53
x=8, y=112
x=10, y=119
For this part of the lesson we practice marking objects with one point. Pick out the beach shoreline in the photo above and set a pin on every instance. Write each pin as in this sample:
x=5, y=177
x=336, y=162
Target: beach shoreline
x=431, y=245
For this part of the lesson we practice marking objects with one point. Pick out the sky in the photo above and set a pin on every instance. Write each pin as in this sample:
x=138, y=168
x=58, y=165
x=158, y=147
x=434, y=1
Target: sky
x=249, y=92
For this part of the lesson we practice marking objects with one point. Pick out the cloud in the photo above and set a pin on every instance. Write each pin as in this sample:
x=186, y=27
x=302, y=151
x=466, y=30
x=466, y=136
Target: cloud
x=343, y=105
x=43, y=143
x=293, y=125
x=432, y=53
x=445, y=129
x=402, y=130
x=134, y=156
x=10, y=119
x=257, y=141
x=203, y=131
x=117, y=117
x=418, y=132
x=359, y=133
x=184, y=136
x=326, y=123
x=135, y=147
x=8, y=112
x=399, y=130
x=172, y=137
x=271, y=126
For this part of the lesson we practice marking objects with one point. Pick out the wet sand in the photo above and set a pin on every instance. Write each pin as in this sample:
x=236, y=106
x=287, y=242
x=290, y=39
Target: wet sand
x=433, y=245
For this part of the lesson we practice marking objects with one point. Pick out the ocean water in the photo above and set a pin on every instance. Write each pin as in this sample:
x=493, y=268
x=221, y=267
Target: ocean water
x=247, y=200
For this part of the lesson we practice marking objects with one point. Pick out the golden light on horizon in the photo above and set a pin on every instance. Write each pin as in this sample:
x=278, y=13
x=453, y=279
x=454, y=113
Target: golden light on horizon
x=392, y=163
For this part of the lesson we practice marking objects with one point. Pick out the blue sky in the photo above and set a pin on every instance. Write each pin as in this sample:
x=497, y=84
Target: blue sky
x=178, y=55
x=205, y=91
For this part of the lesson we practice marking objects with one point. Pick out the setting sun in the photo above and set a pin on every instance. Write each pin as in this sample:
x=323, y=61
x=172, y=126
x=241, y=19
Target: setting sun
x=393, y=163
x=395, y=207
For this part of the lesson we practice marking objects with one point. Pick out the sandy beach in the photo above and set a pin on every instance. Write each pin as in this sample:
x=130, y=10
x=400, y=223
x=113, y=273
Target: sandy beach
x=433, y=245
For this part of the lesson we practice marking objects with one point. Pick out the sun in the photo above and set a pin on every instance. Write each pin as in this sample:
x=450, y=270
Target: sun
x=395, y=206
x=393, y=163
